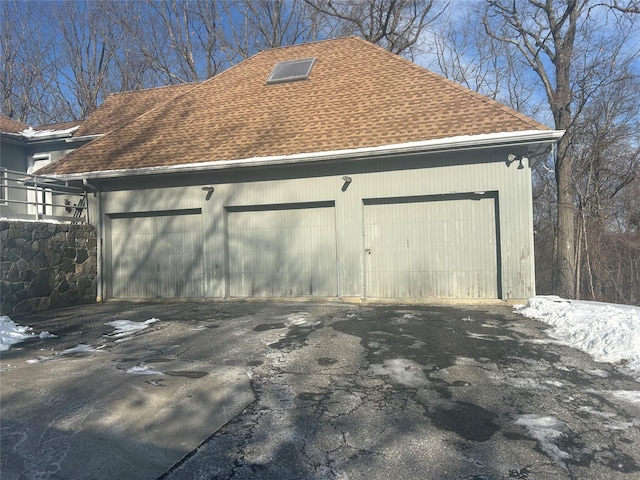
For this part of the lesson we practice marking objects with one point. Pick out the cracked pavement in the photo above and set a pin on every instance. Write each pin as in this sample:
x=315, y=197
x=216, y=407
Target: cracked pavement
x=381, y=391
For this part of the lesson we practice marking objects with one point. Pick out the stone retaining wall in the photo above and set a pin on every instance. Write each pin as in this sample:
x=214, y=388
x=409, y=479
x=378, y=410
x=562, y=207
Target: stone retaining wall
x=46, y=265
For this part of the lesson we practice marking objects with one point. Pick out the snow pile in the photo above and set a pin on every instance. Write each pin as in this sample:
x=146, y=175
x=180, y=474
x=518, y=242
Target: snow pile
x=11, y=333
x=607, y=332
x=127, y=327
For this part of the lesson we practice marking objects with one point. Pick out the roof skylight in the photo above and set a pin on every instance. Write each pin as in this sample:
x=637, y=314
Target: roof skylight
x=291, y=71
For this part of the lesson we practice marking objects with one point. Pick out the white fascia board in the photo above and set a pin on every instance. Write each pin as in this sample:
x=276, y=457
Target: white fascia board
x=466, y=142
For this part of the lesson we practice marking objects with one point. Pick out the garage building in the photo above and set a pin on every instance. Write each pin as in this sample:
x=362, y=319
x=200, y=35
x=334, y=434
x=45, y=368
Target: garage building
x=330, y=169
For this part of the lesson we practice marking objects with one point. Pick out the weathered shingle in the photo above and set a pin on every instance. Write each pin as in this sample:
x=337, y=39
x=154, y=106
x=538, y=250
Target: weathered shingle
x=357, y=95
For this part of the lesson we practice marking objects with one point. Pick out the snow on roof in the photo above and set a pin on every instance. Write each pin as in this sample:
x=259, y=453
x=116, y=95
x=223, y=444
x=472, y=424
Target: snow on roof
x=31, y=133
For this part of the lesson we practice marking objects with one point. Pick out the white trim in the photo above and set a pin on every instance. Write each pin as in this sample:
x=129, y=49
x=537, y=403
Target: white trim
x=443, y=144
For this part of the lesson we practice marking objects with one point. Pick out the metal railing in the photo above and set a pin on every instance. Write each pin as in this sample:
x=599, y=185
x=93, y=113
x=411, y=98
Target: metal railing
x=25, y=196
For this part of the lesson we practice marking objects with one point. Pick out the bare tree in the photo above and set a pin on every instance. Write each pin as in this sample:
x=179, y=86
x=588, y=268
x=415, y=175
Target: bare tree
x=607, y=161
x=25, y=66
x=464, y=53
x=89, y=43
x=564, y=44
x=255, y=25
x=179, y=40
x=396, y=25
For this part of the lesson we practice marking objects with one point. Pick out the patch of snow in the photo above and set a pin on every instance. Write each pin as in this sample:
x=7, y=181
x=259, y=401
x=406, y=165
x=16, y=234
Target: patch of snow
x=11, y=333
x=301, y=319
x=29, y=220
x=80, y=348
x=608, y=332
x=595, y=412
x=402, y=371
x=127, y=327
x=621, y=426
x=554, y=383
x=486, y=336
x=631, y=396
x=549, y=432
x=298, y=318
x=142, y=370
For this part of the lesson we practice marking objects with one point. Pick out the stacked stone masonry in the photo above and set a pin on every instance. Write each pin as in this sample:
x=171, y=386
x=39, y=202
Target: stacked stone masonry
x=46, y=265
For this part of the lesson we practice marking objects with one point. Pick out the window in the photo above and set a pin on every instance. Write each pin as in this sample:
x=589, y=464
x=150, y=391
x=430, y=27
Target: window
x=39, y=198
x=291, y=71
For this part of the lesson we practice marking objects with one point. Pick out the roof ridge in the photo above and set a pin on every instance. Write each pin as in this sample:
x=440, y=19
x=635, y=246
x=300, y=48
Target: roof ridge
x=155, y=88
x=315, y=42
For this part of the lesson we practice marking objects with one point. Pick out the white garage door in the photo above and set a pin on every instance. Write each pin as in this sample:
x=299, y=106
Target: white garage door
x=434, y=247
x=282, y=250
x=156, y=254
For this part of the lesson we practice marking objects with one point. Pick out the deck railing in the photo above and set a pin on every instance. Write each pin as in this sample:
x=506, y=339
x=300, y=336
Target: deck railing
x=32, y=197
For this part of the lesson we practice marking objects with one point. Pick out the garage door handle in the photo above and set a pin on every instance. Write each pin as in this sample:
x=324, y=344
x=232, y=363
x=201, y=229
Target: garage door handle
x=368, y=250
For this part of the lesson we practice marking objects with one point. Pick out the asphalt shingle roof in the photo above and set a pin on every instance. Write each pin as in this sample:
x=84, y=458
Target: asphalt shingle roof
x=8, y=125
x=122, y=108
x=357, y=95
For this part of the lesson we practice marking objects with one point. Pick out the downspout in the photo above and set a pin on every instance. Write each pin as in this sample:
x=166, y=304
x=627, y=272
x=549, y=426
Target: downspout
x=99, y=229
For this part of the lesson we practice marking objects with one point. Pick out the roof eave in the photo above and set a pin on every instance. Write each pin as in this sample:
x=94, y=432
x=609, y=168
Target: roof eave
x=467, y=142
x=84, y=138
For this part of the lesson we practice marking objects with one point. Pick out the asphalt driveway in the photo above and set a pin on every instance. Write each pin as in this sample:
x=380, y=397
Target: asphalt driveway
x=299, y=390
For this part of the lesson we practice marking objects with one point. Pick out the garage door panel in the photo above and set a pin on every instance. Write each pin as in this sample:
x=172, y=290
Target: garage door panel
x=155, y=255
x=444, y=247
x=283, y=251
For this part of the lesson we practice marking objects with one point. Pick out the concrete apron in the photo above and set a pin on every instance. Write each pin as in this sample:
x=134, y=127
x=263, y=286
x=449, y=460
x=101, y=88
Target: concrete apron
x=89, y=418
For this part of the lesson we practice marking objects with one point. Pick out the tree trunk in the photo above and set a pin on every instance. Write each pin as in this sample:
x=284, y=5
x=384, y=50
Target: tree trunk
x=565, y=240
